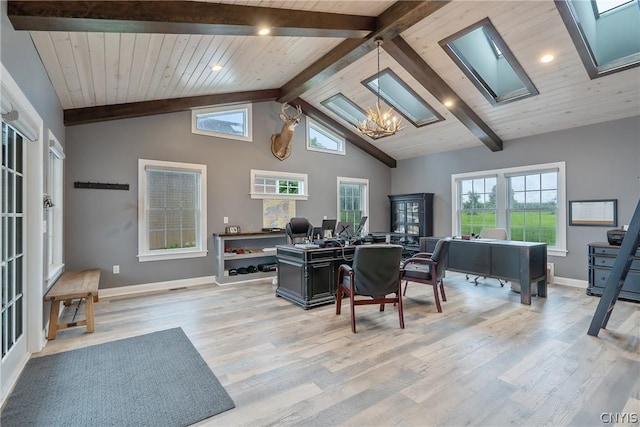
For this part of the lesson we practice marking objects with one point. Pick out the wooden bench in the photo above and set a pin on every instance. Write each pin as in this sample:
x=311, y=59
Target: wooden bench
x=73, y=285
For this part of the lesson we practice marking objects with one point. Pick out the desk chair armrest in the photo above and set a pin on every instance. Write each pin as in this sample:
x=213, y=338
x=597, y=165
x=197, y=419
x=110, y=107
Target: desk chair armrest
x=423, y=255
x=342, y=270
x=419, y=260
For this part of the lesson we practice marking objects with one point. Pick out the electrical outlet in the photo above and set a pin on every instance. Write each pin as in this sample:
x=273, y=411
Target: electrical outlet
x=116, y=269
x=225, y=220
x=324, y=217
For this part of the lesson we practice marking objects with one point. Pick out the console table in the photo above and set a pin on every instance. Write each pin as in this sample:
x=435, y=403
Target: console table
x=307, y=276
x=522, y=262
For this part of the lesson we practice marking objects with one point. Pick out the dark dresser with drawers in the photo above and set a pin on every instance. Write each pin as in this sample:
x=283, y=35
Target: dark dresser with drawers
x=601, y=259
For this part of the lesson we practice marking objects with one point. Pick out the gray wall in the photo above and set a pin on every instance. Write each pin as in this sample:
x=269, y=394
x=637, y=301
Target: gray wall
x=20, y=58
x=101, y=225
x=602, y=162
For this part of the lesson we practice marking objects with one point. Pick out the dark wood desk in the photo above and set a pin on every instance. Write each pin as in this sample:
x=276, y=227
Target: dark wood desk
x=307, y=277
x=522, y=262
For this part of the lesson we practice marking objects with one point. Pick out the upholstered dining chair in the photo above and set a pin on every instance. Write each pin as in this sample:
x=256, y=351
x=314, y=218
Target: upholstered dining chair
x=428, y=268
x=374, y=276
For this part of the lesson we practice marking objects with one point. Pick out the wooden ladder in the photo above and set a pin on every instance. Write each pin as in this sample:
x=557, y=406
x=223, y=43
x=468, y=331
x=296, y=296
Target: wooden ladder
x=621, y=265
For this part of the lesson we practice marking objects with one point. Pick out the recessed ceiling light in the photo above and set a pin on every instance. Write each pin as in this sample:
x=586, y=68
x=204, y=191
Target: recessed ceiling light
x=546, y=58
x=448, y=103
x=264, y=31
x=216, y=67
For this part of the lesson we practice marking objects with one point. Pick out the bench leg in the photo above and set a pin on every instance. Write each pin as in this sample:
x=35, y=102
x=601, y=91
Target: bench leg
x=89, y=313
x=53, y=320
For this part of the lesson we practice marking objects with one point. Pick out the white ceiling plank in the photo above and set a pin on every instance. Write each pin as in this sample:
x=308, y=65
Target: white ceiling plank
x=183, y=62
x=166, y=49
x=112, y=65
x=170, y=67
x=151, y=56
x=97, y=59
x=44, y=45
x=64, y=51
x=140, y=49
x=125, y=65
x=80, y=46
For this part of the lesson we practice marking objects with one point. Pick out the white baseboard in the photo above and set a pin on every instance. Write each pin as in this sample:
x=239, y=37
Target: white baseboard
x=153, y=287
x=567, y=281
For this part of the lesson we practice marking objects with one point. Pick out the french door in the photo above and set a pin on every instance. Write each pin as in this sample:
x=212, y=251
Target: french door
x=12, y=258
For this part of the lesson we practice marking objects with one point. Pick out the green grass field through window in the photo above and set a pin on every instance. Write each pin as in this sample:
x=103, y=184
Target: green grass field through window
x=530, y=226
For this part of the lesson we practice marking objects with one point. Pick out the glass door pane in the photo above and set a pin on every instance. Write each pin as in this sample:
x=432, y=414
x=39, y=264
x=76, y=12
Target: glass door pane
x=11, y=255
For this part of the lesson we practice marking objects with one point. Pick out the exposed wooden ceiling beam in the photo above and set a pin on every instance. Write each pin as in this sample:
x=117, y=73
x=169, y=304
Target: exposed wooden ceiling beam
x=411, y=61
x=182, y=17
x=346, y=133
x=390, y=23
x=80, y=116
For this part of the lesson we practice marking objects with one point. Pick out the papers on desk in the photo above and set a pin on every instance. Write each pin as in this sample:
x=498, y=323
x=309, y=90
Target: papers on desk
x=306, y=245
x=268, y=249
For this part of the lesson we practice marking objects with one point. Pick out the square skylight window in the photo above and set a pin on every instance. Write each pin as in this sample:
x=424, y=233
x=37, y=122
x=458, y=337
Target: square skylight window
x=486, y=60
x=402, y=98
x=606, y=34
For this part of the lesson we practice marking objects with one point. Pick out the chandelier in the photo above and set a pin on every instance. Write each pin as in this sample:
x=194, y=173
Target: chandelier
x=379, y=123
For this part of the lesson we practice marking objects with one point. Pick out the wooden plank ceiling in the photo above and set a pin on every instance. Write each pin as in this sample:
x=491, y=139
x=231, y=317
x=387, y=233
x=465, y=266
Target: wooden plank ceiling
x=117, y=59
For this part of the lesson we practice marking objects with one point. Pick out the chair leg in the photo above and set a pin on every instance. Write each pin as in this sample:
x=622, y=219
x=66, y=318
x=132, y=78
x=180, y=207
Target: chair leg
x=437, y=297
x=339, y=296
x=400, y=309
x=381, y=307
x=406, y=285
x=444, y=297
x=353, y=312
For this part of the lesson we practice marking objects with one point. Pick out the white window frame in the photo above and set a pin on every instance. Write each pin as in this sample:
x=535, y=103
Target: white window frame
x=347, y=180
x=200, y=250
x=55, y=214
x=303, y=178
x=560, y=249
x=310, y=123
x=224, y=108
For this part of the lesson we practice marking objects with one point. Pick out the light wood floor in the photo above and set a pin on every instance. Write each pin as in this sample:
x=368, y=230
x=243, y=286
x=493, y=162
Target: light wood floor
x=487, y=360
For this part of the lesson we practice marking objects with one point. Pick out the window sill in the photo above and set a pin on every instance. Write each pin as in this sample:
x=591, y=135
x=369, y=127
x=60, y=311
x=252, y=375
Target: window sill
x=54, y=273
x=167, y=255
x=557, y=252
x=280, y=196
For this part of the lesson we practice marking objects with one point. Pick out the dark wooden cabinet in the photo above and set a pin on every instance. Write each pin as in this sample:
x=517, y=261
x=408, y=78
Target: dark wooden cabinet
x=412, y=214
x=601, y=259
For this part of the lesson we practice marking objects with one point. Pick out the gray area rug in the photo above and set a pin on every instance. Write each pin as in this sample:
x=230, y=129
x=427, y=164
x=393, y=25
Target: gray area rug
x=158, y=379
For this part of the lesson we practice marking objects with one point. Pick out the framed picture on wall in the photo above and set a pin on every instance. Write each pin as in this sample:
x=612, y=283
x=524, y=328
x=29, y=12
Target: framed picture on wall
x=603, y=213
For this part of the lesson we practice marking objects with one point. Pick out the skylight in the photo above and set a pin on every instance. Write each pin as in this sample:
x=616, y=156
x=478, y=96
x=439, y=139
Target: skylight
x=344, y=108
x=402, y=98
x=606, y=5
x=606, y=33
x=486, y=60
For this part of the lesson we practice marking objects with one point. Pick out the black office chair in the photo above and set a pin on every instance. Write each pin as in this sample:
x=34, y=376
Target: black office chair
x=298, y=229
x=375, y=274
x=491, y=233
x=428, y=268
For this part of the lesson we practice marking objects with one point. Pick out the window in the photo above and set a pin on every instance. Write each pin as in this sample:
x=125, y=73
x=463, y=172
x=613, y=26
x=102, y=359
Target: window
x=229, y=121
x=344, y=108
x=278, y=185
x=606, y=34
x=603, y=6
x=320, y=138
x=486, y=60
x=529, y=201
x=172, y=217
x=477, y=201
x=402, y=98
x=353, y=200
x=55, y=213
